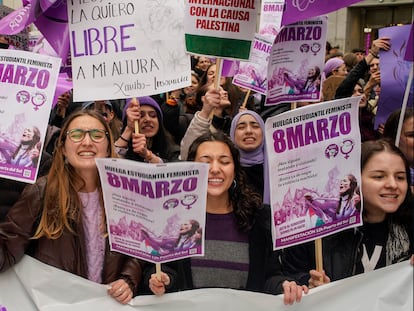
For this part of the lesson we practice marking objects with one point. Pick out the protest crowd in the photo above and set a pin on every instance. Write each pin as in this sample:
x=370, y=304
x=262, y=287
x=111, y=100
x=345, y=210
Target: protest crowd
x=60, y=219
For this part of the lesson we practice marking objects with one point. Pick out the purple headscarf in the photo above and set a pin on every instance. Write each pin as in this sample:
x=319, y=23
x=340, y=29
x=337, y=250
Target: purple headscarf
x=249, y=158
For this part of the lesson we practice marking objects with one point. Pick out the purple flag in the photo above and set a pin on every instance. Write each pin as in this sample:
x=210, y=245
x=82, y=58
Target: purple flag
x=49, y=16
x=394, y=73
x=409, y=54
x=230, y=67
x=298, y=10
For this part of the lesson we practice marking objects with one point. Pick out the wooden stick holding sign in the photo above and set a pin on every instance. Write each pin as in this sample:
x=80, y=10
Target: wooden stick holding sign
x=217, y=76
x=246, y=98
x=318, y=256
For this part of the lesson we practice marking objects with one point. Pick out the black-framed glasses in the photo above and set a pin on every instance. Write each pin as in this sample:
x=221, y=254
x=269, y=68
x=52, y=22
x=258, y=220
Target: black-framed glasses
x=78, y=135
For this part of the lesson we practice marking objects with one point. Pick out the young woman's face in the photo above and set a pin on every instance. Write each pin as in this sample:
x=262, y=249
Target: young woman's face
x=406, y=144
x=384, y=184
x=341, y=71
x=211, y=73
x=248, y=135
x=221, y=172
x=148, y=123
x=81, y=155
x=203, y=63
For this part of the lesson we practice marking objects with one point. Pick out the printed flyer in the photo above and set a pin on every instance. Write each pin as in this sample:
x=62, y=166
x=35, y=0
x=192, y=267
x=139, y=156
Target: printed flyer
x=252, y=75
x=155, y=212
x=126, y=48
x=314, y=168
x=27, y=88
x=271, y=18
x=296, y=61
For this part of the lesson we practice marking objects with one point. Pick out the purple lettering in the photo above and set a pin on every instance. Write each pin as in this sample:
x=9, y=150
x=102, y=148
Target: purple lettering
x=113, y=180
x=20, y=75
x=162, y=188
x=146, y=189
x=279, y=143
x=345, y=123
x=176, y=184
x=190, y=184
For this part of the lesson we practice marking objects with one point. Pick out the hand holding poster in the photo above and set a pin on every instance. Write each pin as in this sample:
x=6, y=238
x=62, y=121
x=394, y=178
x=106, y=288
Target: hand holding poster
x=127, y=49
x=296, y=62
x=155, y=212
x=314, y=168
x=27, y=87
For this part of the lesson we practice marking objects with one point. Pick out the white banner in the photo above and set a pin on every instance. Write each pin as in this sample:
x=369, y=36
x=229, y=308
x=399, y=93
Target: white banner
x=32, y=285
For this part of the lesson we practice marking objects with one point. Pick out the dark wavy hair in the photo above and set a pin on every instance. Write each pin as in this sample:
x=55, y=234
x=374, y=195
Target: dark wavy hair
x=244, y=200
x=371, y=148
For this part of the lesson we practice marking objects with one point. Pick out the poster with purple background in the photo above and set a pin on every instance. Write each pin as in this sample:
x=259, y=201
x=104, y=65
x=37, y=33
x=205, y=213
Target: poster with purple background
x=297, y=10
x=394, y=73
x=296, y=61
x=155, y=212
x=27, y=87
x=314, y=169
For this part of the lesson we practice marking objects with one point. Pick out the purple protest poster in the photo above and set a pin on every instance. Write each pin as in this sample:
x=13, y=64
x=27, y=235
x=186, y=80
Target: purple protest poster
x=394, y=73
x=297, y=10
x=155, y=212
x=27, y=87
x=314, y=169
x=296, y=61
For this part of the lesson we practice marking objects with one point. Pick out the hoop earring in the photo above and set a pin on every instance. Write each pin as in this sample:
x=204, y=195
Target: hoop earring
x=234, y=184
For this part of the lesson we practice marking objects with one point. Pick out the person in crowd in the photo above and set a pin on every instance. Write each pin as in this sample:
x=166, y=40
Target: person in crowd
x=373, y=77
x=384, y=238
x=353, y=85
x=179, y=109
x=60, y=219
x=211, y=117
x=350, y=61
x=201, y=63
x=334, y=72
x=247, y=133
x=152, y=143
x=406, y=142
x=108, y=110
x=26, y=153
x=235, y=219
x=359, y=54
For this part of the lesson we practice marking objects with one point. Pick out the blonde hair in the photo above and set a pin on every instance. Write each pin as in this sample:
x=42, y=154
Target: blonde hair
x=62, y=206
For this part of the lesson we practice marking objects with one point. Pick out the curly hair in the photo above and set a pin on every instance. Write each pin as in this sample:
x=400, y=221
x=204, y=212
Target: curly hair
x=244, y=200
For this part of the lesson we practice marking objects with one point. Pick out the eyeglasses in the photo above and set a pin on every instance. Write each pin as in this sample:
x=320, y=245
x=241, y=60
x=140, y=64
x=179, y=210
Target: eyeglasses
x=78, y=135
x=152, y=114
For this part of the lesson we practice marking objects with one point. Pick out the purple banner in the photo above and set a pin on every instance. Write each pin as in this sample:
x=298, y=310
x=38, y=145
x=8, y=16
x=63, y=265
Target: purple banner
x=49, y=16
x=297, y=10
x=394, y=73
x=230, y=67
x=409, y=54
